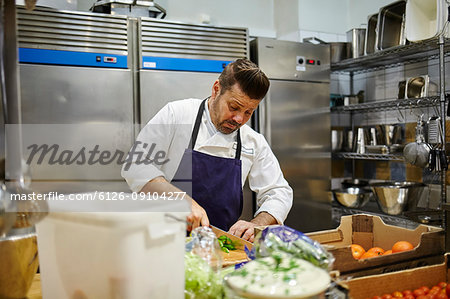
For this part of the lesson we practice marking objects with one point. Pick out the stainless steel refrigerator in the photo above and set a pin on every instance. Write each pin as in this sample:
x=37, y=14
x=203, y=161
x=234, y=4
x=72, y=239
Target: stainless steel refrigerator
x=295, y=119
x=77, y=91
x=179, y=60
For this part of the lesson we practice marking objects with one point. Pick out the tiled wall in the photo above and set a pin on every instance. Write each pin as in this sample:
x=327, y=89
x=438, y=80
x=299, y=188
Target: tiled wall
x=380, y=85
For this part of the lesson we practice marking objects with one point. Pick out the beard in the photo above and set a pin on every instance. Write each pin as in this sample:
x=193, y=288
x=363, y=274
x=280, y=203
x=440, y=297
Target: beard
x=232, y=126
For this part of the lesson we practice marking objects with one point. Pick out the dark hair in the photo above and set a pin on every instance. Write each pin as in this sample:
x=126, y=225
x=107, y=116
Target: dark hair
x=251, y=79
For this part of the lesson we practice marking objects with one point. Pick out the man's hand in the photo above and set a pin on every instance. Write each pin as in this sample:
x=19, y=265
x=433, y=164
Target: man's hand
x=198, y=214
x=197, y=217
x=246, y=230
x=243, y=229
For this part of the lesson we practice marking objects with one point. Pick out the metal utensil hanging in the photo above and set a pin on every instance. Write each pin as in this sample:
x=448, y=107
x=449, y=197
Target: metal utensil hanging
x=417, y=152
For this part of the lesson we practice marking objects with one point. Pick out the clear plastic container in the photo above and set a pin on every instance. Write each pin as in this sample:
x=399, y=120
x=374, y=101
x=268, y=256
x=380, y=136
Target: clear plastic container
x=112, y=254
x=284, y=277
x=425, y=19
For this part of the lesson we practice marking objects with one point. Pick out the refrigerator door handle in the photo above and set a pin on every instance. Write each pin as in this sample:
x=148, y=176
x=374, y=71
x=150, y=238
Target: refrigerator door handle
x=265, y=118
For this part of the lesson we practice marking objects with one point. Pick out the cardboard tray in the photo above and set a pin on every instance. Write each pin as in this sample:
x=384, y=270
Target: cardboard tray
x=369, y=231
x=369, y=286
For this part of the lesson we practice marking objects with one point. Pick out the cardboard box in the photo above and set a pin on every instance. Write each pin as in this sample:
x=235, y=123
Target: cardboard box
x=369, y=286
x=369, y=231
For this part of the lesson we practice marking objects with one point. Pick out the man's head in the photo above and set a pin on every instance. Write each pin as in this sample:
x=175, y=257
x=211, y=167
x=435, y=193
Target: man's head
x=236, y=95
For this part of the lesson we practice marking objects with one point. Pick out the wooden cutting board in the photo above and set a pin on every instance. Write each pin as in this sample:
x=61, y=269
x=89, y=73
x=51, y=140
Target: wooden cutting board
x=234, y=256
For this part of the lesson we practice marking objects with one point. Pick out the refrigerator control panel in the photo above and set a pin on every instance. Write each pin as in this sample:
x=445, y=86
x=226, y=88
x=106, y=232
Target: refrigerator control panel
x=301, y=64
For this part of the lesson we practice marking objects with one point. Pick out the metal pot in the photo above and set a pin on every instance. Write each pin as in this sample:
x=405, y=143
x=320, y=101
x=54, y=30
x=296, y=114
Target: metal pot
x=357, y=38
x=340, y=51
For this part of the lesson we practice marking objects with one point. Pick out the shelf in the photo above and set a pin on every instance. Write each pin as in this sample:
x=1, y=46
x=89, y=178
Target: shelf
x=391, y=57
x=379, y=157
x=338, y=211
x=389, y=105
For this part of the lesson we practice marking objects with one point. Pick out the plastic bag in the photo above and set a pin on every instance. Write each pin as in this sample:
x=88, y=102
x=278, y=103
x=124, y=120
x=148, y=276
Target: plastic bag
x=281, y=238
x=204, y=243
x=203, y=266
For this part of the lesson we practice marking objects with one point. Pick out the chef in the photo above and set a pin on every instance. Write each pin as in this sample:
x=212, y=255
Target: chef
x=205, y=148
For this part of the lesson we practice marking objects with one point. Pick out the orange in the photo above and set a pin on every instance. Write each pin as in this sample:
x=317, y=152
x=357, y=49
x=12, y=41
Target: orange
x=377, y=250
x=387, y=252
x=369, y=254
x=357, y=251
x=402, y=246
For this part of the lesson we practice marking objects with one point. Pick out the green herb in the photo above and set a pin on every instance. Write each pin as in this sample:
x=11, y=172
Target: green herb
x=243, y=272
x=226, y=244
x=277, y=257
x=289, y=276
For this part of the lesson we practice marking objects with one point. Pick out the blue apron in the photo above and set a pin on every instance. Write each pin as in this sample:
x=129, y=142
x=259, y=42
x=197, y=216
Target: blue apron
x=213, y=182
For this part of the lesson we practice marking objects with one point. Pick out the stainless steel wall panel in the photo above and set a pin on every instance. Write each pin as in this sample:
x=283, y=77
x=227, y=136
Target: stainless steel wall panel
x=174, y=39
x=72, y=31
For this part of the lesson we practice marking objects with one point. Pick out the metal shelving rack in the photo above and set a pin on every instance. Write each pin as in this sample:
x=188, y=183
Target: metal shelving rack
x=393, y=57
x=369, y=156
x=389, y=105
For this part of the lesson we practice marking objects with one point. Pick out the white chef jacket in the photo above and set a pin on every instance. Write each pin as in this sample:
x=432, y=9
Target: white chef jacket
x=169, y=131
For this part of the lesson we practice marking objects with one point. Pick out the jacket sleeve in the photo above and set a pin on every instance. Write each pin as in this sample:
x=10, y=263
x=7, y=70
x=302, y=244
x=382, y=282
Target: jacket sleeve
x=274, y=195
x=149, y=152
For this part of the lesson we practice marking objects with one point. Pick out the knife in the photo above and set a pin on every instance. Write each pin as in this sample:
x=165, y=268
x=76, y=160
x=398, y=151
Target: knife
x=240, y=243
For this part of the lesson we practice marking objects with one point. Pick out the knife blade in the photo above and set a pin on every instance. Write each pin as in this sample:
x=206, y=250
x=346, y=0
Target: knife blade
x=240, y=243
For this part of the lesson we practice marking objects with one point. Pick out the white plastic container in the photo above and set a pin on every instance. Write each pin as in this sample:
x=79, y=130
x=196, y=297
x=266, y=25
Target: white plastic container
x=101, y=255
x=425, y=19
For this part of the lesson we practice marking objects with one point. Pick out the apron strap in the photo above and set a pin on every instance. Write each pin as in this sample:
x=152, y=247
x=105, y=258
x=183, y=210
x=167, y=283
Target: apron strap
x=239, y=145
x=198, y=120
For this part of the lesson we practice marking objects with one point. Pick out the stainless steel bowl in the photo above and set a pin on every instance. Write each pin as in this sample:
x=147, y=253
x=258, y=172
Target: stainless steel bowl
x=348, y=183
x=395, y=197
x=353, y=197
